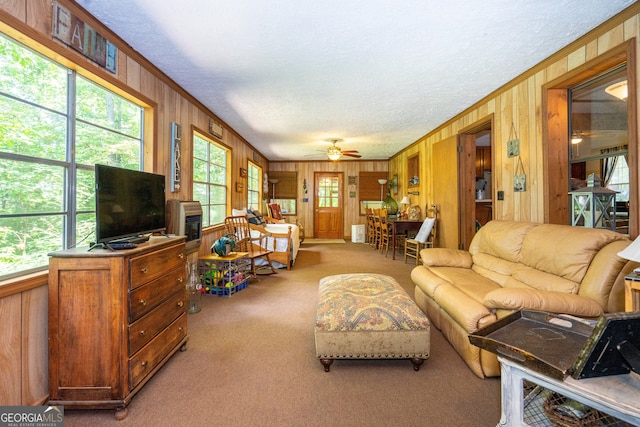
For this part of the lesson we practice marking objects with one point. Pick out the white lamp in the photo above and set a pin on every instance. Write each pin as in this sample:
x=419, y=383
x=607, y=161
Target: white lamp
x=632, y=253
x=405, y=201
x=382, y=182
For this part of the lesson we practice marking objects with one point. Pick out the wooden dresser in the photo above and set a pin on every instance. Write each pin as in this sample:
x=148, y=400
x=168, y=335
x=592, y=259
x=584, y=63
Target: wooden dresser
x=115, y=318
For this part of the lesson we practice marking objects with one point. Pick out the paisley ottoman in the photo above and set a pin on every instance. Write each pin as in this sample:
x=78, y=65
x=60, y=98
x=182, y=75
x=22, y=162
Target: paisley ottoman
x=369, y=316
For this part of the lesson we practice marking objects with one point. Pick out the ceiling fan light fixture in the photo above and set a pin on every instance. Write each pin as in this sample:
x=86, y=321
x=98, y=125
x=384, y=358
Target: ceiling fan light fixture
x=619, y=90
x=576, y=138
x=334, y=153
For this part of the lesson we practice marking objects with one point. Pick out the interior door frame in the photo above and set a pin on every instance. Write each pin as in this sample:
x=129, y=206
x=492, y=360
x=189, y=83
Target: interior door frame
x=467, y=178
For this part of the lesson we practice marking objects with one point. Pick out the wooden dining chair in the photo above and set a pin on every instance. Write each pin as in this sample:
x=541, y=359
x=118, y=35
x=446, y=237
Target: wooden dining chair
x=371, y=231
x=425, y=238
x=385, y=235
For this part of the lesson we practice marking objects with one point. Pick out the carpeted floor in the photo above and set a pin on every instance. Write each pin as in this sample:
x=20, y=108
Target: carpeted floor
x=313, y=241
x=251, y=362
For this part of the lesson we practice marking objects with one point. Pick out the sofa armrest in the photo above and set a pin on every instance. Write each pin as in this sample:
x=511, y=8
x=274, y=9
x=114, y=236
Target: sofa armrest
x=443, y=257
x=533, y=299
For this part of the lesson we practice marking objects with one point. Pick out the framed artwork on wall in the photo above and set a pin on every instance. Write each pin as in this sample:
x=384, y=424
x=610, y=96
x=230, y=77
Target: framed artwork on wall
x=243, y=173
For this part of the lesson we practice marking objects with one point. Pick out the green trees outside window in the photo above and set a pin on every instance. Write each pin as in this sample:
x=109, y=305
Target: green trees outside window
x=210, y=173
x=54, y=127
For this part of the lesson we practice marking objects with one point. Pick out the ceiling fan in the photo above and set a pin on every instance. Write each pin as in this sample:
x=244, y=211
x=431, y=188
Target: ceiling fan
x=335, y=153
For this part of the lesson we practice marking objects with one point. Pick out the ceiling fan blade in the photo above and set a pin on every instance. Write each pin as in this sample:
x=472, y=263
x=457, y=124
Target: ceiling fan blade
x=357, y=156
x=350, y=151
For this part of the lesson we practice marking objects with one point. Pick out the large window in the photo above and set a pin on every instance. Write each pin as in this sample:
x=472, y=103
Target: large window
x=254, y=186
x=370, y=192
x=54, y=127
x=283, y=187
x=210, y=178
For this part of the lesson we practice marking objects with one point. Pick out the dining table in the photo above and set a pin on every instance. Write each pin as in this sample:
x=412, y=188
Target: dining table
x=401, y=226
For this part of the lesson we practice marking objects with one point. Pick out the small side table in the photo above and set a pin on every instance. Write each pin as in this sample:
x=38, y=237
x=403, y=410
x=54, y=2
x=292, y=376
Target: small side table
x=632, y=293
x=615, y=395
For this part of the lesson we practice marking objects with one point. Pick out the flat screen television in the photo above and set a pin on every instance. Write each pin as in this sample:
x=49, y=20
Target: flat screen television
x=130, y=204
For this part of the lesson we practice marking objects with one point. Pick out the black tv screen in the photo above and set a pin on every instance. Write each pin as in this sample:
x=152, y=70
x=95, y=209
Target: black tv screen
x=129, y=204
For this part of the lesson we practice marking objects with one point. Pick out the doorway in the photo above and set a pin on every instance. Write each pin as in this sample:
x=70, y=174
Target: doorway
x=476, y=182
x=328, y=210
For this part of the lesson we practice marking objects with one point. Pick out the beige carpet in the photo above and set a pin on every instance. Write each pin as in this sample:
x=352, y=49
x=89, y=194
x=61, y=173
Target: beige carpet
x=251, y=362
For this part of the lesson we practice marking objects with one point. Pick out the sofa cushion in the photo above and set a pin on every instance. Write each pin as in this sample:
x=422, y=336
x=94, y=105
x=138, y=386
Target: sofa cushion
x=502, y=239
x=239, y=212
x=530, y=277
x=533, y=299
x=564, y=251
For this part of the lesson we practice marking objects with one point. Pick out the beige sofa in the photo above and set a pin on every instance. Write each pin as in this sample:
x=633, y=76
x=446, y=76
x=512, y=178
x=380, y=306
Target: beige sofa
x=517, y=265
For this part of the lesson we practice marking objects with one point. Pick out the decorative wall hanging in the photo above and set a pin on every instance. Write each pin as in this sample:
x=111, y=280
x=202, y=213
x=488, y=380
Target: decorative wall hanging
x=74, y=32
x=513, y=145
x=243, y=173
x=176, y=135
x=519, y=179
x=239, y=187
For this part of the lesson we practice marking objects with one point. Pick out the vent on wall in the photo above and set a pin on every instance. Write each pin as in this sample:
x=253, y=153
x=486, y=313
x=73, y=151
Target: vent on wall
x=215, y=128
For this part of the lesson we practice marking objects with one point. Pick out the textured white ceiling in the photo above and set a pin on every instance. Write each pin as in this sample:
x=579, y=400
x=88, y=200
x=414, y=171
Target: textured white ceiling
x=288, y=75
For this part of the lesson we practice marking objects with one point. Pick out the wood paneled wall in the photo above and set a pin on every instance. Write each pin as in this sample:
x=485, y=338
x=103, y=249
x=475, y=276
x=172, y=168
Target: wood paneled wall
x=348, y=168
x=518, y=102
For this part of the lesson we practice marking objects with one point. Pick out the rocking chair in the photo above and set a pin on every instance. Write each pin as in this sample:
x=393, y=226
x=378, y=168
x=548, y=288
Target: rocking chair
x=245, y=242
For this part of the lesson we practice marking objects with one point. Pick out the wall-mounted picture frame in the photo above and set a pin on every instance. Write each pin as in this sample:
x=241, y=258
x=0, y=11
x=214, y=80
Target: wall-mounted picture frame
x=239, y=187
x=243, y=173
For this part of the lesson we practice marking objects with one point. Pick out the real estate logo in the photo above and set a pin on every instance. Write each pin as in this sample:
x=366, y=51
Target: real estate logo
x=31, y=416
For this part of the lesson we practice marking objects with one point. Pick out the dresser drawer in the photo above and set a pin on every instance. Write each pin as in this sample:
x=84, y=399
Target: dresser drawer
x=144, y=361
x=147, y=327
x=145, y=298
x=153, y=265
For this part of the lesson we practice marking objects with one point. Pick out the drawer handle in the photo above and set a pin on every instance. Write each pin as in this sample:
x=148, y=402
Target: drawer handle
x=180, y=279
x=181, y=256
x=143, y=302
x=181, y=329
x=144, y=270
x=143, y=333
x=144, y=364
x=180, y=304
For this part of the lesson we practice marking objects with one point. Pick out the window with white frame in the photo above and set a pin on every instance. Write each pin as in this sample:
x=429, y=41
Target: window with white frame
x=254, y=186
x=210, y=178
x=48, y=150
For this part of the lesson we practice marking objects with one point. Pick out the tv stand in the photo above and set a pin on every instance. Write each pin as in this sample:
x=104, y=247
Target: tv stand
x=115, y=318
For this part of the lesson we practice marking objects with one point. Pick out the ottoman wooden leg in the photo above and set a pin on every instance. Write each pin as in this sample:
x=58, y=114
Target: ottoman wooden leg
x=416, y=363
x=326, y=363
